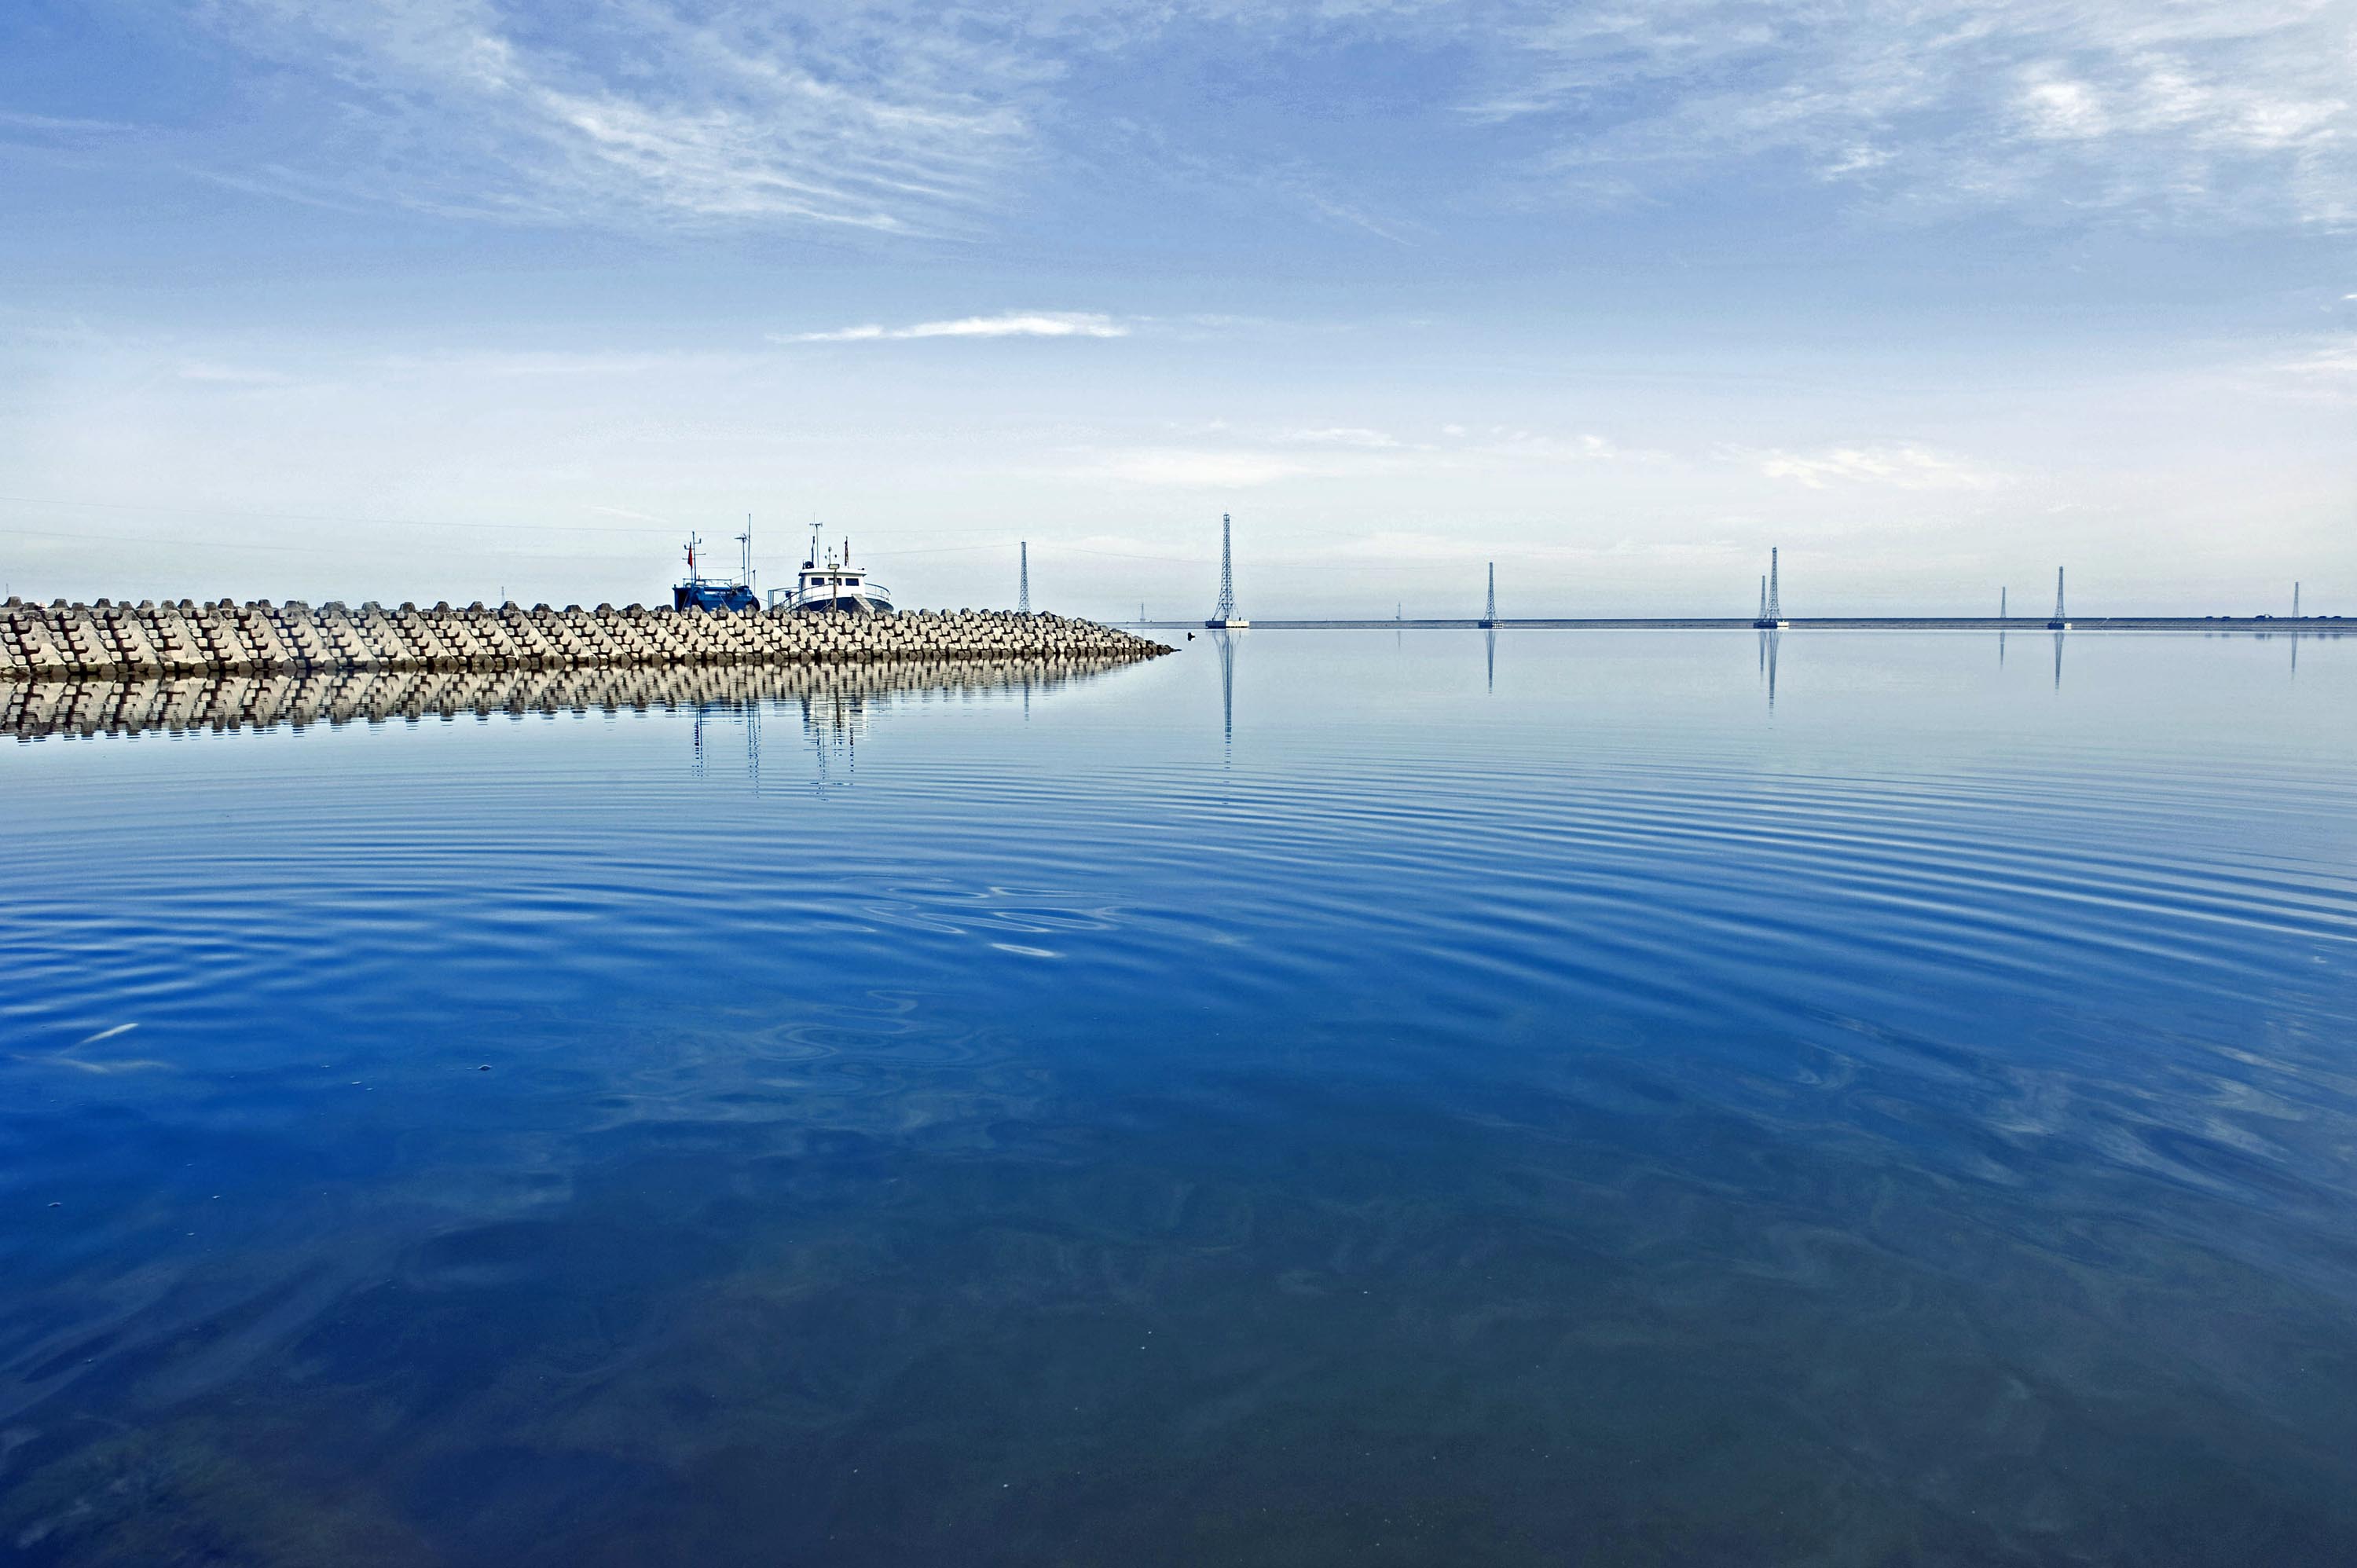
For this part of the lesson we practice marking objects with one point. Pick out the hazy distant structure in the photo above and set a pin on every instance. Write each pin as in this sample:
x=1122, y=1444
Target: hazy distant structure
x=1490, y=615
x=1772, y=607
x=1225, y=615
x=1761, y=619
x=1022, y=584
x=2000, y=604
x=2295, y=601
x=2060, y=622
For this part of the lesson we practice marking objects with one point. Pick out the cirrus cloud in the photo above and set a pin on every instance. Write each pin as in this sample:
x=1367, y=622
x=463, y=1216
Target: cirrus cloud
x=1011, y=324
x=1902, y=467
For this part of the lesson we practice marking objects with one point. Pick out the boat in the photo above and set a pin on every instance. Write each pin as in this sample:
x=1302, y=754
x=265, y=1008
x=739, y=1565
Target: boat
x=714, y=594
x=831, y=585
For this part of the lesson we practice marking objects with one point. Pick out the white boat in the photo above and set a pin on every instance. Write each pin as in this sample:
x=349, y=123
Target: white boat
x=829, y=584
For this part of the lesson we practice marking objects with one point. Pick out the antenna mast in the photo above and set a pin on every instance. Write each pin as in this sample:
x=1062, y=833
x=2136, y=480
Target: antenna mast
x=1227, y=610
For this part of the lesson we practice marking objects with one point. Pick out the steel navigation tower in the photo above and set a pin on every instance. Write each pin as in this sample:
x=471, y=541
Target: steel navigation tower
x=1023, y=585
x=1771, y=610
x=1225, y=615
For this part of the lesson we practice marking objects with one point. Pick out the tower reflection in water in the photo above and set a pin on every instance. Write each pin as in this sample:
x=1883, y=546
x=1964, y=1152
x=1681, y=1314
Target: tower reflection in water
x=1226, y=643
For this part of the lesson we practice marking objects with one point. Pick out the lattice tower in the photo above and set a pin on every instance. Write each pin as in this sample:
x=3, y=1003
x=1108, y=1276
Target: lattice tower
x=1227, y=610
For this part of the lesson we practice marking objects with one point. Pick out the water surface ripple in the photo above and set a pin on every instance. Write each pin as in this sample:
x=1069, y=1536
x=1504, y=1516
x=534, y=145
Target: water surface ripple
x=1322, y=1097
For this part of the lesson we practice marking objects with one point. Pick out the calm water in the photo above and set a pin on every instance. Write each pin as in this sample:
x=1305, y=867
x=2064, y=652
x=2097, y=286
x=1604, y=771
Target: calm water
x=1375, y=1099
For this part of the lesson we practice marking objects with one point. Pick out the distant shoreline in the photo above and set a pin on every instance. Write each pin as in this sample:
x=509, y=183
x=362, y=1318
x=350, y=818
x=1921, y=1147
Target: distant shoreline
x=1803, y=623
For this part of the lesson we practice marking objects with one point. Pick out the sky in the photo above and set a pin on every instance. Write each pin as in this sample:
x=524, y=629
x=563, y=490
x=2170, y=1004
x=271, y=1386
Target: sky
x=428, y=299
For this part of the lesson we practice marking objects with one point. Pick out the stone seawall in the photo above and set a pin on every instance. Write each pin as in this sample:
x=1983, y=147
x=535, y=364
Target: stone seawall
x=105, y=642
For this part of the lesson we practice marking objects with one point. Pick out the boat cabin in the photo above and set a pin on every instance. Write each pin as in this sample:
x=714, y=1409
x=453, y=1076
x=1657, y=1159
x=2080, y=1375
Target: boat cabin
x=829, y=581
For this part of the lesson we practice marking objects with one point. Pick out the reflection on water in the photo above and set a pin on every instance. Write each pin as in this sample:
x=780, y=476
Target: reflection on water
x=1225, y=642
x=835, y=696
x=1612, y=1122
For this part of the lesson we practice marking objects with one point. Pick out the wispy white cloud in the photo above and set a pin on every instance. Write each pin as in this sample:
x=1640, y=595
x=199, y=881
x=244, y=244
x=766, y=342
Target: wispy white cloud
x=1341, y=436
x=1901, y=467
x=2327, y=372
x=1012, y=324
x=1544, y=447
x=1219, y=456
x=883, y=117
x=215, y=372
x=2220, y=111
x=644, y=111
x=16, y=119
x=1191, y=468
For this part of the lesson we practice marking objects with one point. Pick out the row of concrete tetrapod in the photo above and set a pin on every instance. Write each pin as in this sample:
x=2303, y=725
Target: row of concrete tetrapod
x=30, y=710
x=61, y=641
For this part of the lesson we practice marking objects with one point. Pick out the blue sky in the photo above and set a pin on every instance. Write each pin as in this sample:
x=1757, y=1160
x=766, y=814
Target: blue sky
x=429, y=298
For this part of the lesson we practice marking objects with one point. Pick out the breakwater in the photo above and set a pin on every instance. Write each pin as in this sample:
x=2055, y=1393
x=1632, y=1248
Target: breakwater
x=33, y=710
x=107, y=641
